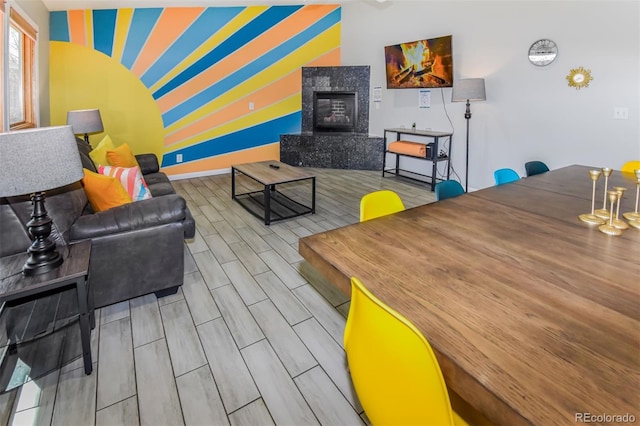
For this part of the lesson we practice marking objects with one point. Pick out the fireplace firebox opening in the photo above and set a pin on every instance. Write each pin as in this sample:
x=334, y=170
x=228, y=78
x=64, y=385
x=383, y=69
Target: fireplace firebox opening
x=334, y=111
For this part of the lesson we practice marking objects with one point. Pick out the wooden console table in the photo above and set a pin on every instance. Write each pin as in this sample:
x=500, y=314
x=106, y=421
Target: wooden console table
x=433, y=154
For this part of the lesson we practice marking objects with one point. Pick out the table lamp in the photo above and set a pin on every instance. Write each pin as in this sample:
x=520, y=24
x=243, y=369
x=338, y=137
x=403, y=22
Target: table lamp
x=31, y=162
x=469, y=89
x=85, y=121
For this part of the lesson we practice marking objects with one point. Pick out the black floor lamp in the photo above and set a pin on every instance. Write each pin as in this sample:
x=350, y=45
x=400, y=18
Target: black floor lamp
x=469, y=89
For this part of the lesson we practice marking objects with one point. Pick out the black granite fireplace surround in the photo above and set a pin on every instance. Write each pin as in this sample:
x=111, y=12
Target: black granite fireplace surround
x=339, y=146
x=336, y=79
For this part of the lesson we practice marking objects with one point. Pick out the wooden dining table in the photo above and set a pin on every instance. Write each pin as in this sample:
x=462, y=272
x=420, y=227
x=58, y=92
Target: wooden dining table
x=534, y=316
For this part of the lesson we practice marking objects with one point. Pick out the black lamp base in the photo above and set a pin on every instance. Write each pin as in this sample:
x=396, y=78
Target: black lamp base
x=43, y=256
x=41, y=263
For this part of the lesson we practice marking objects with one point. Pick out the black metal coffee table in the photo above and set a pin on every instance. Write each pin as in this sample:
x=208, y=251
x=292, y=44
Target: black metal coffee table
x=268, y=203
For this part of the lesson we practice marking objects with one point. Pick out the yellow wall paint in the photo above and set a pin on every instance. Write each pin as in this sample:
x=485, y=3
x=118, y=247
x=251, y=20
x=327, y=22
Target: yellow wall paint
x=83, y=78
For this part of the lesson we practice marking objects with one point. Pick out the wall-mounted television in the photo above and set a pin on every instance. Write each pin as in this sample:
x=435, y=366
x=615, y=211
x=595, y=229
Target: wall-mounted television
x=418, y=64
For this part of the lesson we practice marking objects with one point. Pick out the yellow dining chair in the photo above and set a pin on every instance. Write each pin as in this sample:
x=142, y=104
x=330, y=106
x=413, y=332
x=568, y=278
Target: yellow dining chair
x=393, y=368
x=630, y=166
x=379, y=203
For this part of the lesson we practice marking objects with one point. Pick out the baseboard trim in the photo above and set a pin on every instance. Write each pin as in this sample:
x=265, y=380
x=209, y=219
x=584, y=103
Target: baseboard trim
x=199, y=174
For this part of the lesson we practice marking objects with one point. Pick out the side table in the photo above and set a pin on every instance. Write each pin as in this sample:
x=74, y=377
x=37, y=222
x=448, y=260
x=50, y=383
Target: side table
x=73, y=273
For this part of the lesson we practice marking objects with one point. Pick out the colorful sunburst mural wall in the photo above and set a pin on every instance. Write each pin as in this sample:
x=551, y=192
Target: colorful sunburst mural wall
x=210, y=86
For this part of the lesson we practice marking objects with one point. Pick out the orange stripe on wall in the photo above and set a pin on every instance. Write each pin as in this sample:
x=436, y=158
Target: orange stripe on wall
x=262, y=153
x=291, y=26
x=266, y=96
x=76, y=27
x=172, y=23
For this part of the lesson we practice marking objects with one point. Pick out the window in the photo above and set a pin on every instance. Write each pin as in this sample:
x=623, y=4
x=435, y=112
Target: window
x=21, y=72
x=1, y=65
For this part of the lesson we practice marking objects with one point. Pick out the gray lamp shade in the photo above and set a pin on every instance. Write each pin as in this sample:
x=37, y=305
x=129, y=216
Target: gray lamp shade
x=85, y=121
x=468, y=89
x=37, y=160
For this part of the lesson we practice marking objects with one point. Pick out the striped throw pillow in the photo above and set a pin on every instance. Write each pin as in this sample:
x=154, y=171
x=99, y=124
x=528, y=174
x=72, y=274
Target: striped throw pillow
x=131, y=178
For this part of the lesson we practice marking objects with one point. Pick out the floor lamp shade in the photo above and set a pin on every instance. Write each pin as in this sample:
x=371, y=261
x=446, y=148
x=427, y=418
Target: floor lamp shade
x=468, y=90
x=85, y=121
x=31, y=162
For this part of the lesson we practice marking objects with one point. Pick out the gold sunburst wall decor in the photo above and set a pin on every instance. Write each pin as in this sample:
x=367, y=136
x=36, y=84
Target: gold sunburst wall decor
x=579, y=78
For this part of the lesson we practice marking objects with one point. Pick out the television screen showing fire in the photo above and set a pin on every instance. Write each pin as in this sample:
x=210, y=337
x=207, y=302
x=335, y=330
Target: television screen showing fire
x=419, y=64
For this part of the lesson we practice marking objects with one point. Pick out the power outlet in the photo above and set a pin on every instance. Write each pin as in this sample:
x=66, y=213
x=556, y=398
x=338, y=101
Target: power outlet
x=178, y=158
x=620, y=113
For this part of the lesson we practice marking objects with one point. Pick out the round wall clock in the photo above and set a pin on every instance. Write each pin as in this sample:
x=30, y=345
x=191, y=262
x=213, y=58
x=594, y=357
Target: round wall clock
x=543, y=52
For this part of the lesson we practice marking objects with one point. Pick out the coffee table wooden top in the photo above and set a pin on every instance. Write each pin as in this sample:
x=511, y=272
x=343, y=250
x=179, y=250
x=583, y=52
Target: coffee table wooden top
x=263, y=173
x=534, y=317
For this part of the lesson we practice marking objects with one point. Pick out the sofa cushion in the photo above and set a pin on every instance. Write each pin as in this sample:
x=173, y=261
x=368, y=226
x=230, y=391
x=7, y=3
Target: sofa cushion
x=64, y=205
x=104, y=192
x=84, y=149
x=122, y=156
x=159, y=184
x=14, y=237
x=99, y=153
x=130, y=178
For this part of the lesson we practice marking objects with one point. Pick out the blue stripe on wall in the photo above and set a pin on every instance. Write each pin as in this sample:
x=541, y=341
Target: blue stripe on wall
x=253, y=29
x=207, y=24
x=104, y=24
x=261, y=63
x=142, y=23
x=59, y=27
x=261, y=134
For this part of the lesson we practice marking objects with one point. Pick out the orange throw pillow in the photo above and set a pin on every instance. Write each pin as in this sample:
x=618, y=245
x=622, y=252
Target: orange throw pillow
x=104, y=192
x=122, y=156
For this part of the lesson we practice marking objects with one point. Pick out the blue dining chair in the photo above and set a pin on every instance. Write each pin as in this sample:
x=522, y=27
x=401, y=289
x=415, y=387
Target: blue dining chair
x=447, y=189
x=503, y=176
x=535, y=168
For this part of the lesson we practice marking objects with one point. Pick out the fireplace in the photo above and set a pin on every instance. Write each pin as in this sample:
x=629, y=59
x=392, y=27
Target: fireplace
x=335, y=111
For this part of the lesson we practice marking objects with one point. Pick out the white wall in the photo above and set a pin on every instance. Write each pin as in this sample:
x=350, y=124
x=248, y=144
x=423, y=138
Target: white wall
x=530, y=112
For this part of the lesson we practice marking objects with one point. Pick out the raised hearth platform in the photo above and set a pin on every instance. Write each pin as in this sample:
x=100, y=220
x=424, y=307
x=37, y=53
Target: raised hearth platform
x=350, y=151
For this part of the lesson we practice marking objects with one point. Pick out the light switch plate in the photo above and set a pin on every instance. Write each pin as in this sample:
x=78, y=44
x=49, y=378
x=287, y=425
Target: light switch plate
x=621, y=113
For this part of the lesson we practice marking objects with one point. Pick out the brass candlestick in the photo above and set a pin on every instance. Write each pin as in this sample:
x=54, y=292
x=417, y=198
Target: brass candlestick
x=591, y=217
x=634, y=215
x=617, y=222
x=608, y=228
x=603, y=212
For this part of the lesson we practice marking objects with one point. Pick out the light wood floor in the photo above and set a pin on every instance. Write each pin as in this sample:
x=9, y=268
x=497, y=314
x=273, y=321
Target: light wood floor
x=254, y=336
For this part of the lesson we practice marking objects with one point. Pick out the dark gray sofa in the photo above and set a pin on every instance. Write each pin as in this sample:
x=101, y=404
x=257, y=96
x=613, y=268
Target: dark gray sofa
x=137, y=248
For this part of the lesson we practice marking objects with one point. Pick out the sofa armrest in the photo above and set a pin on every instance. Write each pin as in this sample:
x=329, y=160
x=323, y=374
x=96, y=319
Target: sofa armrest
x=130, y=217
x=148, y=163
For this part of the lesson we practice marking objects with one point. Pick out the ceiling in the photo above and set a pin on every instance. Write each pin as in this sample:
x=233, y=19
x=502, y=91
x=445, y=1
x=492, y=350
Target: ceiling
x=117, y=4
